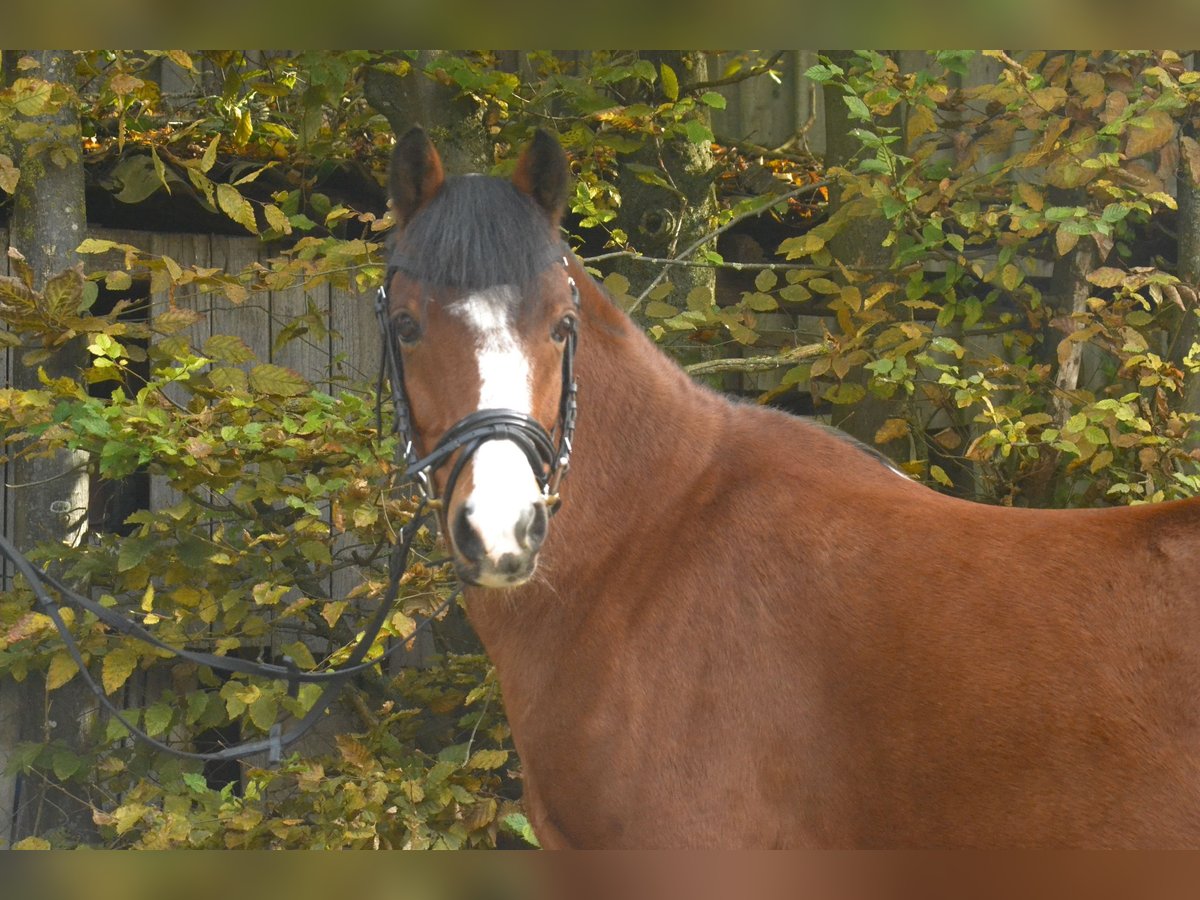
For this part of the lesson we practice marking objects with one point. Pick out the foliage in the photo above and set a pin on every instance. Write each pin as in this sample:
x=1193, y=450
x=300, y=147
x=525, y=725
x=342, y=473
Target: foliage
x=1061, y=163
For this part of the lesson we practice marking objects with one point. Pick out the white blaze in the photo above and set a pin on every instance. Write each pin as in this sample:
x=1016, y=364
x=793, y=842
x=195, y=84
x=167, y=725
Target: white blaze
x=503, y=486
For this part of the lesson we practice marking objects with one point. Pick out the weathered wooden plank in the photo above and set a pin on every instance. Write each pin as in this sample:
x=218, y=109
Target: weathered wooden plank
x=355, y=345
x=305, y=351
x=251, y=321
x=185, y=249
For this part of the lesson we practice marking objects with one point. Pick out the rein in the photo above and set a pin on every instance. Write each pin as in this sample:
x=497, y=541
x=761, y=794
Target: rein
x=548, y=458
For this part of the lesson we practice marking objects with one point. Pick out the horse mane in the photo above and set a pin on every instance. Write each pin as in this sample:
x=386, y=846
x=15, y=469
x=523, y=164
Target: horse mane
x=476, y=233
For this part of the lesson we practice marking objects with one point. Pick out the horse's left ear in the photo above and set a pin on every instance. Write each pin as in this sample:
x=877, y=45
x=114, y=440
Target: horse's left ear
x=543, y=173
x=415, y=175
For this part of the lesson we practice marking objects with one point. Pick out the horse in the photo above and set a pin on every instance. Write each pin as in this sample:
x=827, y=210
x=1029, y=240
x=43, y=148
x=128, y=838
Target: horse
x=729, y=627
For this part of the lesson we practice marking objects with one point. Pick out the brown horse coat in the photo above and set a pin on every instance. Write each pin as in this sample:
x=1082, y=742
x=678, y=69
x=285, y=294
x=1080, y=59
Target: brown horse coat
x=746, y=632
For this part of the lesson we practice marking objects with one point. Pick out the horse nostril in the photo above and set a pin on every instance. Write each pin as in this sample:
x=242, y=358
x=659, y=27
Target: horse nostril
x=531, y=527
x=466, y=536
x=510, y=564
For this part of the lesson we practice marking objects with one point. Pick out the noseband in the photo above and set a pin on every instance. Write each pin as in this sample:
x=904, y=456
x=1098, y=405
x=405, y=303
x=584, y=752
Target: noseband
x=548, y=459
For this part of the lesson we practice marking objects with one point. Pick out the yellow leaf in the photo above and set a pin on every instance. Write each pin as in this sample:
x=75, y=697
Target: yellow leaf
x=487, y=759
x=1106, y=277
x=62, y=669
x=1191, y=152
x=331, y=612
x=892, y=430
x=276, y=219
x=1011, y=277
x=670, y=82
x=118, y=665
x=237, y=207
x=210, y=154
x=939, y=475
x=182, y=59
x=129, y=815
x=32, y=843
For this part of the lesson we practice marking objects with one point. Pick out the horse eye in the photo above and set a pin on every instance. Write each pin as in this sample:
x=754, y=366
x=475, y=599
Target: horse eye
x=408, y=329
x=563, y=329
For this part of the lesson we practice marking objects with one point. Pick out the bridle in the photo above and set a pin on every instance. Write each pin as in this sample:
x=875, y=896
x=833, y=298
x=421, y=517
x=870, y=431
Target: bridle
x=549, y=458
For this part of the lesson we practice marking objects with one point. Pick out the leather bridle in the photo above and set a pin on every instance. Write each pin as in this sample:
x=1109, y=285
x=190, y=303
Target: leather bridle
x=549, y=458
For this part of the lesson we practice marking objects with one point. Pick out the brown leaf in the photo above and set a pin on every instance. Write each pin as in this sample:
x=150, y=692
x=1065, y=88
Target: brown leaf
x=1148, y=132
x=1065, y=241
x=948, y=438
x=354, y=752
x=1191, y=153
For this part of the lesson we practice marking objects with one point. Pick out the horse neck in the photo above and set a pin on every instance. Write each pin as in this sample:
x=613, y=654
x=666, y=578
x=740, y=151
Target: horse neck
x=646, y=434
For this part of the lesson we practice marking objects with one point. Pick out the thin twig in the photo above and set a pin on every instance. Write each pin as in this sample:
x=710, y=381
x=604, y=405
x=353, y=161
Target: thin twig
x=752, y=72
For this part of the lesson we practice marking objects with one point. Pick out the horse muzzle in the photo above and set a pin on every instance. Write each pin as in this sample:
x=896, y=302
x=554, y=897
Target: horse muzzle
x=494, y=553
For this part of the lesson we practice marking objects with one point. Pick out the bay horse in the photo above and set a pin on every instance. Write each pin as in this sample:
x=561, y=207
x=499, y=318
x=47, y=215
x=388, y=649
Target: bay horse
x=740, y=629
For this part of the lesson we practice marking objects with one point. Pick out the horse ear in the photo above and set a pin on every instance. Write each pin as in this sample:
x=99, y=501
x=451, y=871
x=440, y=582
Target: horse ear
x=415, y=175
x=543, y=173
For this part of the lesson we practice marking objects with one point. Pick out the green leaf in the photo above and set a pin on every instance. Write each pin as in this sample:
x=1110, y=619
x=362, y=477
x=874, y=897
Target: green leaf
x=269, y=378
x=819, y=74
x=656, y=309
x=138, y=177
x=263, y=711
x=670, y=82
x=697, y=132
x=157, y=718
x=133, y=552
x=228, y=348
x=939, y=475
x=65, y=764
x=713, y=99
x=858, y=109
x=195, y=782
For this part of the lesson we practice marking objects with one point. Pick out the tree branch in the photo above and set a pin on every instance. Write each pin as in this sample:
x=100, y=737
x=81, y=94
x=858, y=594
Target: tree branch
x=755, y=363
x=752, y=72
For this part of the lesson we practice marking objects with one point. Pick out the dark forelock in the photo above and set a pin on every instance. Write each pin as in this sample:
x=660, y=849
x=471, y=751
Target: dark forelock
x=476, y=233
